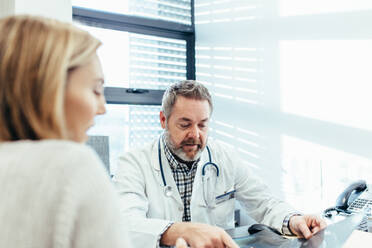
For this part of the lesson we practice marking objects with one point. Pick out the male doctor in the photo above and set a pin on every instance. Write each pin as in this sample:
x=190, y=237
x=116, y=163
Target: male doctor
x=184, y=185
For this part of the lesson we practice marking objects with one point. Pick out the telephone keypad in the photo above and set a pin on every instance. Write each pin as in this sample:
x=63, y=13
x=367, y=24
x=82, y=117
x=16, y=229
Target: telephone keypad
x=359, y=204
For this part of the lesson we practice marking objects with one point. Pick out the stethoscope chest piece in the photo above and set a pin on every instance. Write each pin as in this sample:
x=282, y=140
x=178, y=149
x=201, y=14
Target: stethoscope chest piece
x=168, y=191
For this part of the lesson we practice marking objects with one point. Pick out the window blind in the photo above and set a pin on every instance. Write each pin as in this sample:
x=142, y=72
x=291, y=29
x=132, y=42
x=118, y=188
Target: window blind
x=170, y=10
x=132, y=60
x=156, y=62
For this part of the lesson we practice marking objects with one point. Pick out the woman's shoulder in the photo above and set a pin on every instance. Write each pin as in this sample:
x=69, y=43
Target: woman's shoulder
x=62, y=146
x=73, y=153
x=44, y=145
x=59, y=153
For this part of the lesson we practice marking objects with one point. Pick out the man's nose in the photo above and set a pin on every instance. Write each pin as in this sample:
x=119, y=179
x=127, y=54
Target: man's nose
x=194, y=132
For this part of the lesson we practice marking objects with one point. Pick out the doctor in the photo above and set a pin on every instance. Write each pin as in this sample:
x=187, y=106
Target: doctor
x=184, y=185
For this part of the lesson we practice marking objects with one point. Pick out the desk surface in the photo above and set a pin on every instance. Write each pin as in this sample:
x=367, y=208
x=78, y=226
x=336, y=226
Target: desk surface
x=238, y=232
x=358, y=239
x=340, y=234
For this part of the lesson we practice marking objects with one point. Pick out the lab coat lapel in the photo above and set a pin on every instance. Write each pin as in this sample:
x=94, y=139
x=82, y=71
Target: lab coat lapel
x=167, y=172
x=197, y=190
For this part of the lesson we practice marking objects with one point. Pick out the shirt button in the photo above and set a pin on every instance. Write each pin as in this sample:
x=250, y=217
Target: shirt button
x=180, y=208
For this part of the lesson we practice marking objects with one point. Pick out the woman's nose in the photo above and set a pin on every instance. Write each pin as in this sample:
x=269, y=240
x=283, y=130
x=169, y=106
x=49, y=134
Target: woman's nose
x=101, y=106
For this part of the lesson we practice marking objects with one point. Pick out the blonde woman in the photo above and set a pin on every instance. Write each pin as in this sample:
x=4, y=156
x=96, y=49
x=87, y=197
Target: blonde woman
x=54, y=190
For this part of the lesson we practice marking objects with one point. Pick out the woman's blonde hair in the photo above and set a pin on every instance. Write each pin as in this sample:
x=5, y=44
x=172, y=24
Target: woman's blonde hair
x=36, y=56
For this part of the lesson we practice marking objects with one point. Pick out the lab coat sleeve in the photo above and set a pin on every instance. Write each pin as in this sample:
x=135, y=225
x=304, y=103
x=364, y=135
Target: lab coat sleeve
x=256, y=198
x=129, y=181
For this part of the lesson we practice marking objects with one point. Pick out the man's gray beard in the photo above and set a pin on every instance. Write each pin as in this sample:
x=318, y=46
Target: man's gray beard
x=178, y=151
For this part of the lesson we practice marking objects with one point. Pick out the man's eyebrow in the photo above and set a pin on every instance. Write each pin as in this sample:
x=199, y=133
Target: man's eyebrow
x=184, y=119
x=188, y=120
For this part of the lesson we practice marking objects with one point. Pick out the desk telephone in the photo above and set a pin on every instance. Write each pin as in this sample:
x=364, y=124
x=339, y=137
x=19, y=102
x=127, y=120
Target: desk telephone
x=354, y=199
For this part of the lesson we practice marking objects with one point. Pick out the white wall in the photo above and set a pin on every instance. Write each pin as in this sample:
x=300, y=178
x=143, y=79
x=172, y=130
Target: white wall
x=291, y=81
x=7, y=7
x=60, y=9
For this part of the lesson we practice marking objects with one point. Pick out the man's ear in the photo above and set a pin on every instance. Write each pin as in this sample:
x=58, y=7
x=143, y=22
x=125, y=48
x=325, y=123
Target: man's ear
x=162, y=120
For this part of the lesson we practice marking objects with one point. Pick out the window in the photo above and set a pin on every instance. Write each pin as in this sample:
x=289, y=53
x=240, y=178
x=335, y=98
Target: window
x=147, y=45
x=127, y=126
x=140, y=61
x=169, y=10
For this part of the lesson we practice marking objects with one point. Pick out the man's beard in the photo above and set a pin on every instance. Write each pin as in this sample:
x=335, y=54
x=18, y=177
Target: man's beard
x=179, y=151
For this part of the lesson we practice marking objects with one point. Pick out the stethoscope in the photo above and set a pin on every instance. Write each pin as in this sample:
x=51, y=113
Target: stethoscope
x=168, y=189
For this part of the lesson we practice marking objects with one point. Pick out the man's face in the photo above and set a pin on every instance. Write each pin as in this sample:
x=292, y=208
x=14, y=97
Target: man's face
x=186, y=130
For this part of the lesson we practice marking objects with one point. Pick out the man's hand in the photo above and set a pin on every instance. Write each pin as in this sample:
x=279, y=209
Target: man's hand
x=306, y=226
x=197, y=235
x=181, y=243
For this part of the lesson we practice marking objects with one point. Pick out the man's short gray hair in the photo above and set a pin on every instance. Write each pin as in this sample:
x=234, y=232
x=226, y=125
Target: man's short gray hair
x=188, y=88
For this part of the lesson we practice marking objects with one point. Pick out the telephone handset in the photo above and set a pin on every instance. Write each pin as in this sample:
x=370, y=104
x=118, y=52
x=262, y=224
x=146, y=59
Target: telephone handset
x=354, y=199
x=346, y=202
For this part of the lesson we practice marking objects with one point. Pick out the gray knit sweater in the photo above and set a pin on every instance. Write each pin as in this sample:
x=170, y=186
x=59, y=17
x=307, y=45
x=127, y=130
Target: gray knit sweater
x=56, y=194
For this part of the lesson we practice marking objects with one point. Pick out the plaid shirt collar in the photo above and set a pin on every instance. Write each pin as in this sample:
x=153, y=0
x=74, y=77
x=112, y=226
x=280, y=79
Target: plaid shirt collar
x=173, y=162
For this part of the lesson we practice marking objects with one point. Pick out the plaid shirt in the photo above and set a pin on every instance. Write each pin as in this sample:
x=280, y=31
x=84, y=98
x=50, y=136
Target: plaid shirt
x=184, y=178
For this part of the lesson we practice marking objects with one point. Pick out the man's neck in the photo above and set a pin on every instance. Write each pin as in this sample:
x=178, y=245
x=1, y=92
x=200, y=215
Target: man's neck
x=188, y=163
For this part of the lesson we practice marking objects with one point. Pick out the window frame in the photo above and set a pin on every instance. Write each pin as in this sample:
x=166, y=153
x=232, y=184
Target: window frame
x=145, y=26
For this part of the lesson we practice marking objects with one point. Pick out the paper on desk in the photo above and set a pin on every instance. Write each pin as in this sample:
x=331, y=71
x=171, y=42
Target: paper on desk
x=358, y=239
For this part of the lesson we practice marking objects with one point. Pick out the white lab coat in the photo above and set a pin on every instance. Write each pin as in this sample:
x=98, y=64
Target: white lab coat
x=147, y=211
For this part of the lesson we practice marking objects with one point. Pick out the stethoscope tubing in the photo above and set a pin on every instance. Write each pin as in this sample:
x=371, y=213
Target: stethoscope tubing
x=161, y=165
x=203, y=168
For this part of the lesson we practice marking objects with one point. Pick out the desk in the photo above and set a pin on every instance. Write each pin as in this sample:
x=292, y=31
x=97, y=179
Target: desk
x=262, y=239
x=341, y=234
x=238, y=232
x=358, y=239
